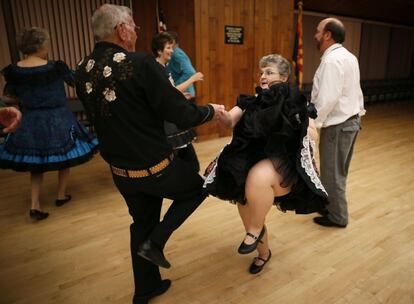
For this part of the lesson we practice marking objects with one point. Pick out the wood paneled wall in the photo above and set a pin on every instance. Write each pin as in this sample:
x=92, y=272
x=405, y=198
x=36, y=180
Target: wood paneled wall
x=228, y=68
x=5, y=57
x=274, y=29
x=145, y=18
x=68, y=23
x=231, y=69
x=179, y=17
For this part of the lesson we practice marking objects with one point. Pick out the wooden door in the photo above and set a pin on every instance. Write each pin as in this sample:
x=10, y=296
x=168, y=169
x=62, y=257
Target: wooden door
x=228, y=68
x=232, y=69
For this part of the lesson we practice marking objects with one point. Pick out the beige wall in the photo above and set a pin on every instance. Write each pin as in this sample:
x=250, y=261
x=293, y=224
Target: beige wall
x=353, y=36
x=400, y=55
x=312, y=56
x=374, y=51
x=384, y=51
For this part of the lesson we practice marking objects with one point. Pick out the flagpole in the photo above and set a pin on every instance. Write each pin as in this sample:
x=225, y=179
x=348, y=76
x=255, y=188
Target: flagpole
x=299, y=60
x=158, y=16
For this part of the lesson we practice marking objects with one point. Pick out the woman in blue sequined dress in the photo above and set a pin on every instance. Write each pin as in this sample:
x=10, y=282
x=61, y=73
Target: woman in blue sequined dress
x=49, y=138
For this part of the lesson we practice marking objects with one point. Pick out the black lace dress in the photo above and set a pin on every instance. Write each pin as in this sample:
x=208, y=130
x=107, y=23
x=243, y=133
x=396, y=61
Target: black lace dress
x=273, y=126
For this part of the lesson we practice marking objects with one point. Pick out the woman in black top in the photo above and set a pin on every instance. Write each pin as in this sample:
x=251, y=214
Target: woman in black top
x=180, y=140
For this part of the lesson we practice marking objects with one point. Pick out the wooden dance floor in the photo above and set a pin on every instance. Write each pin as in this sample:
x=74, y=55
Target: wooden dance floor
x=80, y=254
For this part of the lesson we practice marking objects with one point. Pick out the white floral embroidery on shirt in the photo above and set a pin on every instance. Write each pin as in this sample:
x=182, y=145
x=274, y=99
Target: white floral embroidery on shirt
x=107, y=71
x=118, y=57
x=88, y=87
x=89, y=65
x=109, y=94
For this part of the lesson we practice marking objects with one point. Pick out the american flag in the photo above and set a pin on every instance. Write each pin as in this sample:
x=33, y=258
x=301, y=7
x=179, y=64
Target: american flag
x=161, y=25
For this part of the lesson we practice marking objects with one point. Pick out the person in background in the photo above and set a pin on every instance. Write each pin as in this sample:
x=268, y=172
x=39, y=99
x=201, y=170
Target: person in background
x=180, y=66
x=127, y=97
x=49, y=138
x=269, y=160
x=181, y=140
x=338, y=98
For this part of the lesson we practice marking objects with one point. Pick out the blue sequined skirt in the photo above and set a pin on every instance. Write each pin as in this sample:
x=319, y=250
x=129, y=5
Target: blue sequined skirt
x=80, y=152
x=48, y=139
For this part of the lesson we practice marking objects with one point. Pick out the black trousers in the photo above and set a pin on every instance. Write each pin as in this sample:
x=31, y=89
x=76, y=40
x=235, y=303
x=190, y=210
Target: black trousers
x=189, y=155
x=178, y=182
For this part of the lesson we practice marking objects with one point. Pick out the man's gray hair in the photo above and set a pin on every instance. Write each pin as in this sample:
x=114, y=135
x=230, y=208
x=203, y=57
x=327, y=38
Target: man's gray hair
x=106, y=18
x=275, y=59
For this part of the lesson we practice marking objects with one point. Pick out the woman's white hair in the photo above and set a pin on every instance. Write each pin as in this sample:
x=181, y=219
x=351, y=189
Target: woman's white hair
x=275, y=59
x=106, y=18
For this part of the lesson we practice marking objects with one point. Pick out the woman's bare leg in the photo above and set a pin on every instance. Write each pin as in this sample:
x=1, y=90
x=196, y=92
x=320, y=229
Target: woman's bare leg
x=36, y=180
x=262, y=185
x=63, y=177
x=263, y=249
x=244, y=214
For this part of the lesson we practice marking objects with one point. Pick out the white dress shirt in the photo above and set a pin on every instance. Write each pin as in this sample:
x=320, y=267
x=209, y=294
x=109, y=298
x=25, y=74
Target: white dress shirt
x=336, y=90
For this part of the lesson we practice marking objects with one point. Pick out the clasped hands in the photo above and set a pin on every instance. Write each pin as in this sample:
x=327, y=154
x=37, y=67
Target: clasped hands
x=221, y=115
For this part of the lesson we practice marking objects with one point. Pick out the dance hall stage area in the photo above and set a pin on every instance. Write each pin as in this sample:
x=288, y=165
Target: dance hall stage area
x=80, y=254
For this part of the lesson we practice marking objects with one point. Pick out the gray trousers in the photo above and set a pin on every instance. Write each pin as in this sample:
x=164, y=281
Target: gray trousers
x=335, y=149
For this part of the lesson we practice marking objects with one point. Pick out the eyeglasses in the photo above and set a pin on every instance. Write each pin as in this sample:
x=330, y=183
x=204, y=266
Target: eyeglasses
x=268, y=73
x=136, y=27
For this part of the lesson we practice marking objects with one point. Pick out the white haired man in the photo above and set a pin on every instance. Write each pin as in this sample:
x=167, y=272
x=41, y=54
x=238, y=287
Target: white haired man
x=127, y=97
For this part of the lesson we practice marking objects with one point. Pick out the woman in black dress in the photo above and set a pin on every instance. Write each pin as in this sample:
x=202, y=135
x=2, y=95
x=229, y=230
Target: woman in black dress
x=270, y=158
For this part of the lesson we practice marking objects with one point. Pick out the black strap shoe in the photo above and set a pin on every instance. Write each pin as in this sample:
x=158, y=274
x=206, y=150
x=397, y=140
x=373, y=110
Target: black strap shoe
x=247, y=248
x=61, y=202
x=257, y=268
x=151, y=252
x=38, y=215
